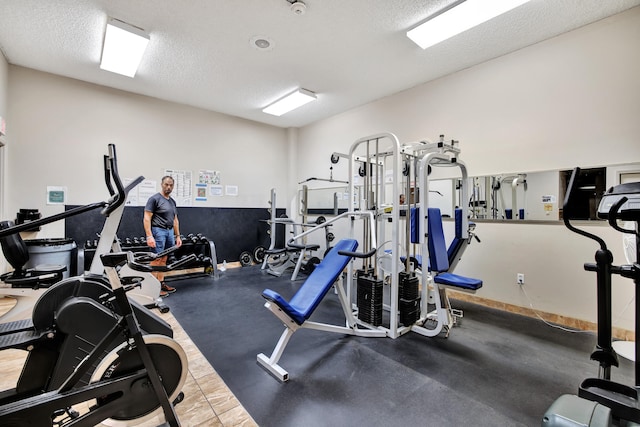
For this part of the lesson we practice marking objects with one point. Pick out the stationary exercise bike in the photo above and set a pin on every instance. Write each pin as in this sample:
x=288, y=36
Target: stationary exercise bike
x=94, y=351
x=601, y=401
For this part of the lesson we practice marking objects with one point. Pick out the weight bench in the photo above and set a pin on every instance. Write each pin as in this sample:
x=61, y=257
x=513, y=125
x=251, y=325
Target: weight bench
x=296, y=312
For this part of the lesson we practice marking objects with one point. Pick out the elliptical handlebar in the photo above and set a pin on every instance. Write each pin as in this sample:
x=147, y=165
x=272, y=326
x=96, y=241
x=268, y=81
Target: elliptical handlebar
x=53, y=218
x=107, y=175
x=120, y=196
x=613, y=216
x=568, y=211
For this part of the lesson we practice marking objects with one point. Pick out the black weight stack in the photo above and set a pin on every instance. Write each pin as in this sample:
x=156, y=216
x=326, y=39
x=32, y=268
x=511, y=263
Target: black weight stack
x=369, y=298
x=409, y=295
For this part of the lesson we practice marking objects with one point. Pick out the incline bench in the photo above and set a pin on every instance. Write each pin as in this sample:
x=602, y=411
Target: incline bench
x=296, y=312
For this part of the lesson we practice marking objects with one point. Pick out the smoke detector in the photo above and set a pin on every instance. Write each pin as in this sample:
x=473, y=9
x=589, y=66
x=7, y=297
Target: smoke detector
x=298, y=7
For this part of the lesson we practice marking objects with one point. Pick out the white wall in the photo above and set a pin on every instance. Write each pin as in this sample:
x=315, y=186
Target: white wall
x=60, y=129
x=573, y=100
x=4, y=79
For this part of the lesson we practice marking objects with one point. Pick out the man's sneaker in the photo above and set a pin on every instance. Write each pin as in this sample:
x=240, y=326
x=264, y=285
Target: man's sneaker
x=164, y=294
x=168, y=289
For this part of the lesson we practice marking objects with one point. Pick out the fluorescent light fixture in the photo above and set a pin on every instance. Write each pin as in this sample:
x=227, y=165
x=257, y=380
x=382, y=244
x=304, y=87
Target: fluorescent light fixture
x=290, y=102
x=458, y=19
x=123, y=48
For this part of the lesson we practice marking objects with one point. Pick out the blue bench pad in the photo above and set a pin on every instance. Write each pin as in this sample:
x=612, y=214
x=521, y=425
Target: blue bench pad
x=455, y=280
x=313, y=290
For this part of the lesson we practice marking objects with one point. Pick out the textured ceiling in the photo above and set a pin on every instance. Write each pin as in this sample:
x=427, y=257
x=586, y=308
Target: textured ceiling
x=348, y=52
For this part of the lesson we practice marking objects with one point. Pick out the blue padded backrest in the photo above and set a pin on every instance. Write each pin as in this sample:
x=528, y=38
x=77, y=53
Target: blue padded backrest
x=438, y=259
x=415, y=225
x=322, y=278
x=458, y=217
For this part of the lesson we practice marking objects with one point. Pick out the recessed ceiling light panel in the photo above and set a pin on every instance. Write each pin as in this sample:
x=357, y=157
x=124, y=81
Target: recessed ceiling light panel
x=123, y=48
x=290, y=102
x=463, y=16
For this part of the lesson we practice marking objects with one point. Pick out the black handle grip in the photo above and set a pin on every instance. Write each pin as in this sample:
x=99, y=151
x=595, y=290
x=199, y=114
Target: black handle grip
x=48, y=220
x=613, y=216
x=358, y=254
x=107, y=175
x=297, y=246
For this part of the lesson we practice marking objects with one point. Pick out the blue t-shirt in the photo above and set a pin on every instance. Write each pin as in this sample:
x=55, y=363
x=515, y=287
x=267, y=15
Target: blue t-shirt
x=164, y=211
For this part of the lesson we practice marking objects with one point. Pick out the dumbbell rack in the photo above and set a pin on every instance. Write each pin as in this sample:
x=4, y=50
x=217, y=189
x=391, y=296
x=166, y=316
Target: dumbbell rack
x=203, y=248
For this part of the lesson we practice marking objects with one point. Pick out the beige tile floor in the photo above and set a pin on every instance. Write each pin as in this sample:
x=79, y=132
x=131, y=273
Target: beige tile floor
x=207, y=402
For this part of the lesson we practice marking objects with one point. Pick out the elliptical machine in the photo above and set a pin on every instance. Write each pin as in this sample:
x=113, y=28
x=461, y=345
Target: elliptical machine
x=601, y=401
x=27, y=285
x=85, y=342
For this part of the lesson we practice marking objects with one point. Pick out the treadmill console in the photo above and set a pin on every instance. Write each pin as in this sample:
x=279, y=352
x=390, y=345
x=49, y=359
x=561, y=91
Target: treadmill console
x=630, y=210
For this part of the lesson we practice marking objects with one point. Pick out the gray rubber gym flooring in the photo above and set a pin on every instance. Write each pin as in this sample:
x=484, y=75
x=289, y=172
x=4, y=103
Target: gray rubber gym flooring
x=495, y=369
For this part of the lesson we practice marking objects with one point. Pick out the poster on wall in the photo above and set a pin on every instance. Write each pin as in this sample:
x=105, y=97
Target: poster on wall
x=201, y=192
x=146, y=189
x=56, y=195
x=215, y=190
x=231, y=190
x=182, y=189
x=209, y=177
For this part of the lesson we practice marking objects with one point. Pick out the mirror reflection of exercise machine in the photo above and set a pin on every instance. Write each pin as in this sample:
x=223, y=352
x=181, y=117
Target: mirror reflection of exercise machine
x=502, y=185
x=601, y=401
x=292, y=255
x=498, y=197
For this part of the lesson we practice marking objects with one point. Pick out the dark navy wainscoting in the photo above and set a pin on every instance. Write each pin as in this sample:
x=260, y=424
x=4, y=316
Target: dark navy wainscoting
x=233, y=230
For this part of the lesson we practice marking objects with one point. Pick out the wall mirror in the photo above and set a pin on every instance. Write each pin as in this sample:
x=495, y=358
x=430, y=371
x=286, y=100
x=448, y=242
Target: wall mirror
x=323, y=201
x=529, y=196
x=535, y=196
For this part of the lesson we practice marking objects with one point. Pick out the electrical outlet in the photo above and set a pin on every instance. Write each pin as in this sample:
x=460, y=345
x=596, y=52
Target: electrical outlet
x=520, y=279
